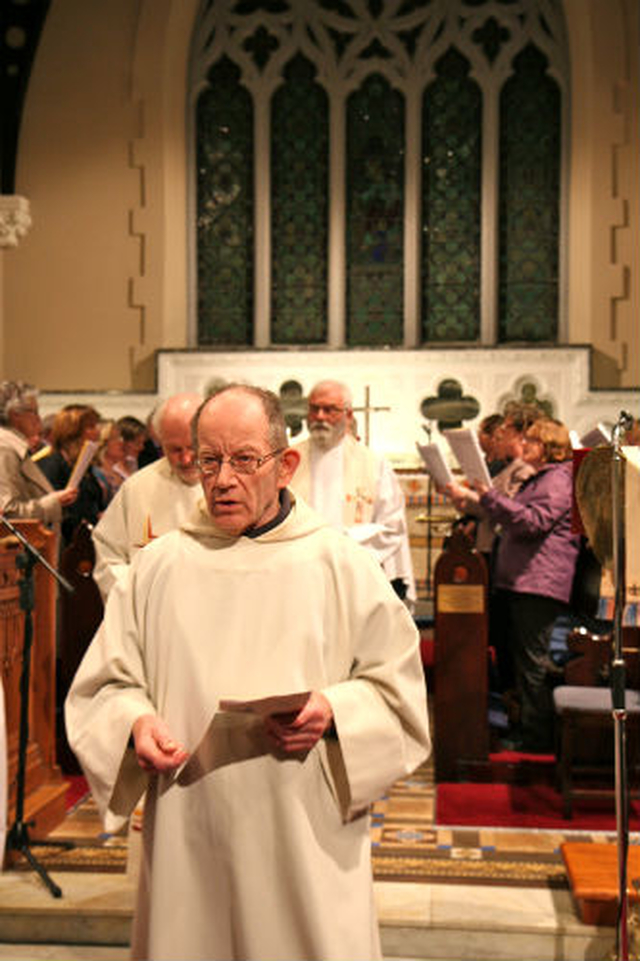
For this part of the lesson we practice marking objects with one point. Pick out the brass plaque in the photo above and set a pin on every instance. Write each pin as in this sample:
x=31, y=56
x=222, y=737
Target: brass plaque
x=461, y=598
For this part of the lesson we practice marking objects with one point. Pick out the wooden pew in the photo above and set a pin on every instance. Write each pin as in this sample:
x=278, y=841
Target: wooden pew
x=461, y=717
x=79, y=615
x=45, y=788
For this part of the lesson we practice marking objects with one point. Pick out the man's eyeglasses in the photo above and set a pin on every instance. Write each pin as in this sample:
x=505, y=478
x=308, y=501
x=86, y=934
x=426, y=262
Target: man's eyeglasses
x=211, y=464
x=331, y=410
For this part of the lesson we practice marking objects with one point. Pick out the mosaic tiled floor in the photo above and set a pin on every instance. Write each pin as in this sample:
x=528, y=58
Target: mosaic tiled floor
x=92, y=850
x=408, y=846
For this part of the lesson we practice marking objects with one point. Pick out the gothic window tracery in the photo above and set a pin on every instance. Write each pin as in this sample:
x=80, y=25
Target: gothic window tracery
x=377, y=172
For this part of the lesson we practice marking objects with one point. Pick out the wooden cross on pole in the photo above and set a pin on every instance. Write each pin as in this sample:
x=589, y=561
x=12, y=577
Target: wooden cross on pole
x=367, y=409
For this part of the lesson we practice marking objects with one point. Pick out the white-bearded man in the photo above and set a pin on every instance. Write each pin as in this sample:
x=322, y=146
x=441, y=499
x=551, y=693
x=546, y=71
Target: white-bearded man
x=353, y=488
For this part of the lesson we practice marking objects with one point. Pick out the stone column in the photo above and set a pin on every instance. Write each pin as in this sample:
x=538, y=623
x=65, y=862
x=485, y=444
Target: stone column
x=15, y=221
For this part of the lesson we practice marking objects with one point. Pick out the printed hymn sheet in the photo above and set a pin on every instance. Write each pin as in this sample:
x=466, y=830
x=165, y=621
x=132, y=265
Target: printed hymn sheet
x=83, y=461
x=467, y=451
x=264, y=706
x=435, y=464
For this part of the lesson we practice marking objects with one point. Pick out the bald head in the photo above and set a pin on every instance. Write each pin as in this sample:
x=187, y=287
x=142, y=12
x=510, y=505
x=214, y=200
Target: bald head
x=173, y=426
x=245, y=424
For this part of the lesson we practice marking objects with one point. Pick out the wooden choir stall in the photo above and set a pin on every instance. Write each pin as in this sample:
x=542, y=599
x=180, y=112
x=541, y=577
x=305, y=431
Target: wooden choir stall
x=460, y=697
x=45, y=788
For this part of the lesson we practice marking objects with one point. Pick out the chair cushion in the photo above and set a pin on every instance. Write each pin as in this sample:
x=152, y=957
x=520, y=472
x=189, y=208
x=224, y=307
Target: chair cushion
x=590, y=699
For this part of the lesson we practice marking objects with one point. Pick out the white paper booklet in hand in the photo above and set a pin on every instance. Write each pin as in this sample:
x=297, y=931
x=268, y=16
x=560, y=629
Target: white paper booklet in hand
x=467, y=451
x=435, y=464
x=264, y=706
x=83, y=461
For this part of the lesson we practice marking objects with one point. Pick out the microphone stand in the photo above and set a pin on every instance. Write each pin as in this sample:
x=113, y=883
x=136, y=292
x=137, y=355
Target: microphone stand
x=618, y=683
x=427, y=428
x=18, y=836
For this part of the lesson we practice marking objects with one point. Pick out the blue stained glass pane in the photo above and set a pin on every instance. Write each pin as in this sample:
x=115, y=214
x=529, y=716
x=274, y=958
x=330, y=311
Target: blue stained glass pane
x=451, y=190
x=224, y=118
x=530, y=141
x=375, y=212
x=299, y=184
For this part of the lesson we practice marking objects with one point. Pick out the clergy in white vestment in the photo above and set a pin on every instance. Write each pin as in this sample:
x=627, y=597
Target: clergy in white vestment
x=153, y=500
x=353, y=488
x=258, y=676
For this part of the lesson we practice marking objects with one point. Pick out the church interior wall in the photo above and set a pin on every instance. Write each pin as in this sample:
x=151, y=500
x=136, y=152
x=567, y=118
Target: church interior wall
x=604, y=198
x=100, y=282
x=68, y=322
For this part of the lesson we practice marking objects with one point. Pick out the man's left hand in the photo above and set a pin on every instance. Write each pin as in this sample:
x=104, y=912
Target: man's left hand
x=300, y=733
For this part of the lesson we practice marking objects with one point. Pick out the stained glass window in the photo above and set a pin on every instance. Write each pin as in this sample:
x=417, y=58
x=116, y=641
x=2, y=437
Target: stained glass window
x=224, y=116
x=452, y=148
x=299, y=170
x=378, y=172
x=375, y=214
x=529, y=201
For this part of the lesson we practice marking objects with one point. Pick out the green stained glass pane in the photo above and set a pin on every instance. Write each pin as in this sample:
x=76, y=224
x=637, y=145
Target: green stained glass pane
x=375, y=211
x=299, y=172
x=451, y=189
x=529, y=202
x=224, y=117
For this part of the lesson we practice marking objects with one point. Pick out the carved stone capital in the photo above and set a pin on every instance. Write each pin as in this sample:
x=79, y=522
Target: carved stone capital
x=15, y=219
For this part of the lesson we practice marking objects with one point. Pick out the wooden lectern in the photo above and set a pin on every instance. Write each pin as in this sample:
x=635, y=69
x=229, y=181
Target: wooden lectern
x=461, y=708
x=45, y=788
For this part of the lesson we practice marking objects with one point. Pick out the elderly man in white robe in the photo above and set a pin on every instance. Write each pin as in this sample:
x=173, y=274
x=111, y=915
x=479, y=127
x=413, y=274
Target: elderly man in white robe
x=155, y=499
x=354, y=488
x=259, y=675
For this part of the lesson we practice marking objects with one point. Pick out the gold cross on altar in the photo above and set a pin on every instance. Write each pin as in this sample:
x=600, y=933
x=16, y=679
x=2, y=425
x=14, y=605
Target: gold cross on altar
x=367, y=409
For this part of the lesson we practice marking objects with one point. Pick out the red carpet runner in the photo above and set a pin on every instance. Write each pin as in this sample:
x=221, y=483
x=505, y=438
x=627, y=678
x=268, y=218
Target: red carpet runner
x=522, y=806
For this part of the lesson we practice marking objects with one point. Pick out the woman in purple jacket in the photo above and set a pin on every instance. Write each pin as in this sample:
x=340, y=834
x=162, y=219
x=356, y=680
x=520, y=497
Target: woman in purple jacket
x=534, y=569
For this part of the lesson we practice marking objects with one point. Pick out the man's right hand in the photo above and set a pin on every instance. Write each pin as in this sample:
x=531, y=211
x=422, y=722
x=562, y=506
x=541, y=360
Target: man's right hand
x=156, y=750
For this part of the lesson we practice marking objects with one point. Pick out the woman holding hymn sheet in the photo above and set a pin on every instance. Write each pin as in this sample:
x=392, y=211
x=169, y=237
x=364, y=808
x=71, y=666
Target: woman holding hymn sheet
x=73, y=427
x=534, y=571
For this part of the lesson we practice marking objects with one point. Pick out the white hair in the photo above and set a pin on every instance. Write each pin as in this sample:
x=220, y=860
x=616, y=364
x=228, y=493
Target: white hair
x=186, y=400
x=16, y=396
x=347, y=396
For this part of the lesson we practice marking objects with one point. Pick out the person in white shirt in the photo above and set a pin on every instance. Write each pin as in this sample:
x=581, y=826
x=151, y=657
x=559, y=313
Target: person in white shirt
x=352, y=487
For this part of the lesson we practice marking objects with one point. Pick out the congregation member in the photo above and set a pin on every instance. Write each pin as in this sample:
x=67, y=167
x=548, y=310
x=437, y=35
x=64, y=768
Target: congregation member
x=507, y=439
x=534, y=571
x=353, y=488
x=506, y=446
x=72, y=426
x=134, y=437
x=155, y=499
x=152, y=449
x=107, y=462
x=256, y=840
x=25, y=492
x=487, y=430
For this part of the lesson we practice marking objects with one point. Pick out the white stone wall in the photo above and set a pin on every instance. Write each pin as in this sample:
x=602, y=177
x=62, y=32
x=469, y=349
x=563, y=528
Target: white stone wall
x=398, y=379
